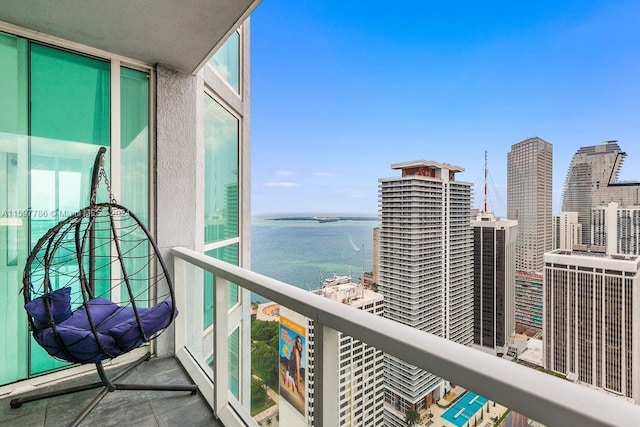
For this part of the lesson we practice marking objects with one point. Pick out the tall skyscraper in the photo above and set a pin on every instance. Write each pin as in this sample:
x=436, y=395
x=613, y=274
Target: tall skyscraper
x=592, y=180
x=592, y=319
x=426, y=271
x=529, y=201
x=493, y=281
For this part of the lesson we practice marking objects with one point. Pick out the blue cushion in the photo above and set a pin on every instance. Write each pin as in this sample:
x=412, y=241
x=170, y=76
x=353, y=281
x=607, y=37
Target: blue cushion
x=152, y=320
x=74, y=333
x=117, y=331
x=101, y=310
x=77, y=344
x=60, y=305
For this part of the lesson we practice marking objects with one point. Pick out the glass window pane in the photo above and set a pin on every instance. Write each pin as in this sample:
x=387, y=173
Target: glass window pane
x=134, y=141
x=13, y=207
x=234, y=363
x=46, y=178
x=228, y=254
x=70, y=118
x=226, y=61
x=134, y=158
x=13, y=84
x=221, y=173
x=69, y=96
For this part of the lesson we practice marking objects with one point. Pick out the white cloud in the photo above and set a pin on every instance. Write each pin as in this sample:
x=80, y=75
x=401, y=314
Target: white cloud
x=284, y=173
x=323, y=174
x=282, y=184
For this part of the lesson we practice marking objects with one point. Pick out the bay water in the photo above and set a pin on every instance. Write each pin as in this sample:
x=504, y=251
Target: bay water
x=301, y=251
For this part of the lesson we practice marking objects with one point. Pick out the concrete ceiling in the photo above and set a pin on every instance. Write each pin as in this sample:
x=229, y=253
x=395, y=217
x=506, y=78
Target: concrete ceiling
x=178, y=33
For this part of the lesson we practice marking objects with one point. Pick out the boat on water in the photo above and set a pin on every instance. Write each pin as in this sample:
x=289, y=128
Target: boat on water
x=322, y=219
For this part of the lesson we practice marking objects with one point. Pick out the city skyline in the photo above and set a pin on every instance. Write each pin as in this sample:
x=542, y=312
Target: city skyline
x=340, y=93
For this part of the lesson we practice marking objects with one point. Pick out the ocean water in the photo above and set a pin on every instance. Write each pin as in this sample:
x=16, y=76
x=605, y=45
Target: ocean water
x=303, y=252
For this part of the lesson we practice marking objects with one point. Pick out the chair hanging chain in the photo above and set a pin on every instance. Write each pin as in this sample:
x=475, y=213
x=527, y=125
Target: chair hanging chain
x=102, y=173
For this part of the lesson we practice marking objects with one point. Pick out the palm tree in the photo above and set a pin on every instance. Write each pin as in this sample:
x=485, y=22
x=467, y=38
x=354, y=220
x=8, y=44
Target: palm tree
x=411, y=417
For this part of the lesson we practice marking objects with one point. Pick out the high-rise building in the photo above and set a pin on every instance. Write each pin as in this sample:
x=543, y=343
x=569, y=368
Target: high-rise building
x=493, y=281
x=529, y=200
x=592, y=319
x=361, y=393
x=628, y=230
x=592, y=181
x=569, y=230
x=617, y=229
x=555, y=232
x=426, y=271
x=529, y=309
x=376, y=255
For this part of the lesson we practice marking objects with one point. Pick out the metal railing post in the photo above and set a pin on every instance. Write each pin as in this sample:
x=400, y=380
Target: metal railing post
x=220, y=345
x=180, y=291
x=326, y=369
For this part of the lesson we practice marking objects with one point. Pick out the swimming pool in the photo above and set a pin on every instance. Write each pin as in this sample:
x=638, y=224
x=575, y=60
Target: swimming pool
x=464, y=408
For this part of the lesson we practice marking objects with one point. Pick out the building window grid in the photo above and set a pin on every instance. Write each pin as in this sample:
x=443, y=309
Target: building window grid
x=604, y=303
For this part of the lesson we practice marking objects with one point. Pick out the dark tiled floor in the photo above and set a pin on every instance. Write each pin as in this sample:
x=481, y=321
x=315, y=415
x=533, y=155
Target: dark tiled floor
x=120, y=408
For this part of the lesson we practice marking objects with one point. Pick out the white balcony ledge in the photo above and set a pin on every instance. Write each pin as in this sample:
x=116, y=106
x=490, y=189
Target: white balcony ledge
x=542, y=397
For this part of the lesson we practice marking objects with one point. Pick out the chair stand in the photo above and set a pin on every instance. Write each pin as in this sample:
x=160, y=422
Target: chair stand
x=108, y=386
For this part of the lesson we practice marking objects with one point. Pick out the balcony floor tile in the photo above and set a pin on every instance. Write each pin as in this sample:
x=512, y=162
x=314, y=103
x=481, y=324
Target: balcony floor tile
x=120, y=408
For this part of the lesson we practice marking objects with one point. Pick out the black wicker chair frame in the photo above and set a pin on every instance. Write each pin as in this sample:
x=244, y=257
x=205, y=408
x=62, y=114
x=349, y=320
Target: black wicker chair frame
x=74, y=242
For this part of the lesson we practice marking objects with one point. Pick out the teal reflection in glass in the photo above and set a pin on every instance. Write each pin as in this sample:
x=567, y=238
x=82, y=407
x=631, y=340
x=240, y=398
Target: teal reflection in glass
x=226, y=61
x=221, y=173
x=234, y=363
x=134, y=174
x=45, y=176
x=14, y=202
x=69, y=97
x=228, y=254
x=70, y=118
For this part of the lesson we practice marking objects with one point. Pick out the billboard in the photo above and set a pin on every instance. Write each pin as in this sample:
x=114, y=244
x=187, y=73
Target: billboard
x=293, y=363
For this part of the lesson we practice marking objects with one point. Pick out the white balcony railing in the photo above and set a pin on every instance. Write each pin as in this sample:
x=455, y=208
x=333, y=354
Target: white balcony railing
x=542, y=397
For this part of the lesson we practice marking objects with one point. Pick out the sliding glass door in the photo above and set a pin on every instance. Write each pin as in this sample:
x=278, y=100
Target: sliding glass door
x=14, y=203
x=55, y=112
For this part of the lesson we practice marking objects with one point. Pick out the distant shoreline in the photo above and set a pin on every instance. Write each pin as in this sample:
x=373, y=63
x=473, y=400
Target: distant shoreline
x=313, y=218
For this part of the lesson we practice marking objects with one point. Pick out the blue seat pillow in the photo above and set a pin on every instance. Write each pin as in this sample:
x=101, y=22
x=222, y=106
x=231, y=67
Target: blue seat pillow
x=152, y=320
x=116, y=327
x=60, y=305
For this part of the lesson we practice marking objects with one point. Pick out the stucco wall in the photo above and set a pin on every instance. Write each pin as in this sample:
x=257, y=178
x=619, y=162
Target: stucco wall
x=179, y=167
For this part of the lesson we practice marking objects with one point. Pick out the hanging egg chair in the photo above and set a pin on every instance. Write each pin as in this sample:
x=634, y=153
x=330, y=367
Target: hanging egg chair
x=96, y=287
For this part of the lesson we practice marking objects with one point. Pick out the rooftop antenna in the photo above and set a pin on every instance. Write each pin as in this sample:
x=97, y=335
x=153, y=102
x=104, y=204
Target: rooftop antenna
x=485, y=181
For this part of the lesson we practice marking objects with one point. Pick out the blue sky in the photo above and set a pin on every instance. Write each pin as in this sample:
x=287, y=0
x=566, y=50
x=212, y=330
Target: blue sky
x=342, y=89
